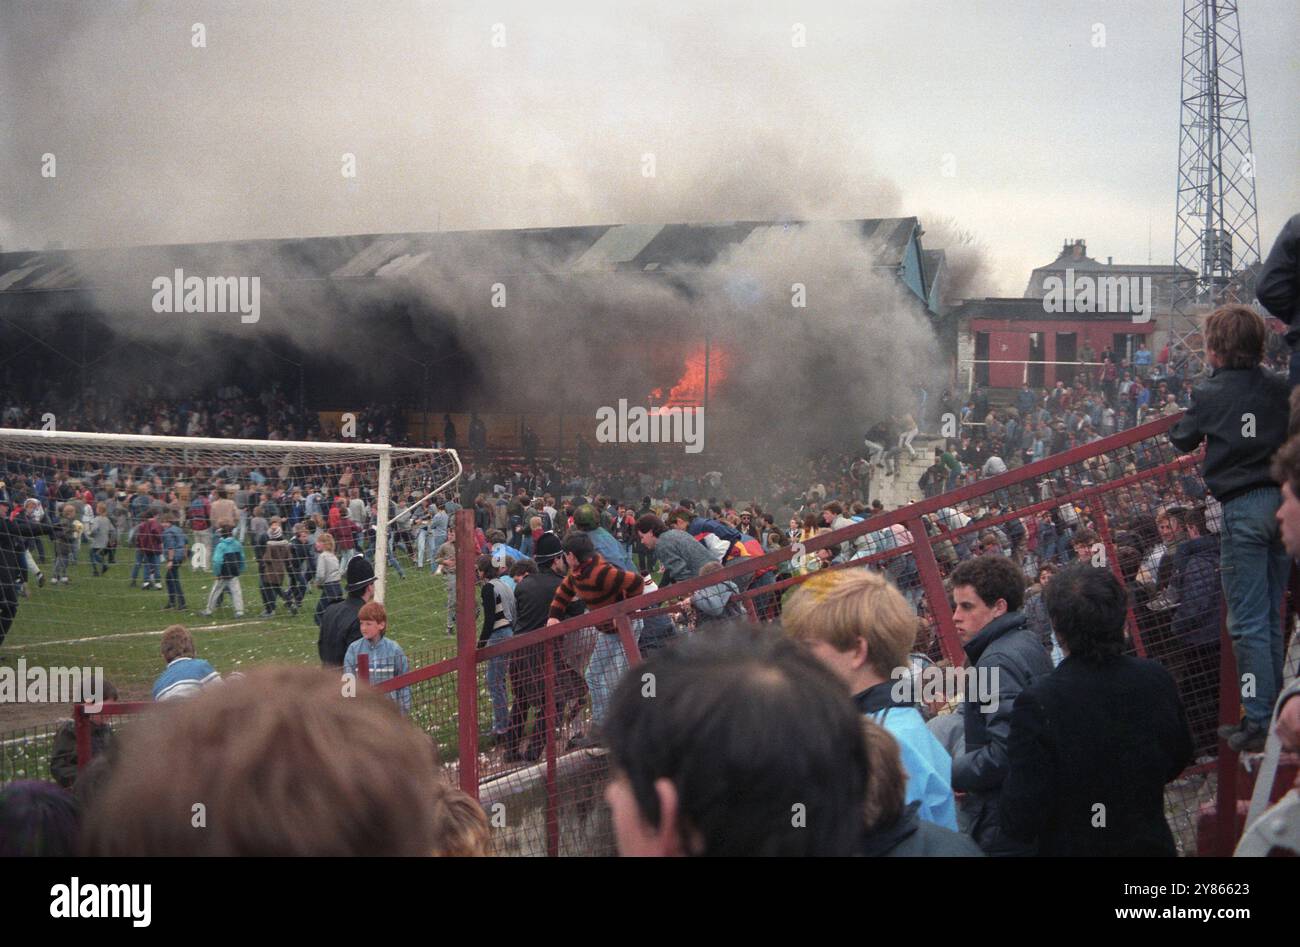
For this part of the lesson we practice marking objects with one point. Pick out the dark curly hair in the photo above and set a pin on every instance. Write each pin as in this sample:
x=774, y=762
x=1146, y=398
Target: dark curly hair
x=993, y=577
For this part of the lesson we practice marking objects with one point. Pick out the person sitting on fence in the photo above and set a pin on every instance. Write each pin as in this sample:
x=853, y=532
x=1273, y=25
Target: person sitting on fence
x=749, y=747
x=227, y=565
x=387, y=659
x=63, y=755
x=1093, y=744
x=238, y=756
x=860, y=626
x=186, y=674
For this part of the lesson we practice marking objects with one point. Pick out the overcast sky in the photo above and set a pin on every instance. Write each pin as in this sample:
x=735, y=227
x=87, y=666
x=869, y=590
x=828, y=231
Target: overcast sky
x=482, y=115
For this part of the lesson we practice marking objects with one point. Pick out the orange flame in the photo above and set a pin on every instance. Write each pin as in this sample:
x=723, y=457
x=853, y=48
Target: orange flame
x=689, y=389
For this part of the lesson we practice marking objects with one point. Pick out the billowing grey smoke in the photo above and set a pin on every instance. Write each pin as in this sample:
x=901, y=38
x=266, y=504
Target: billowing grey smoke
x=243, y=139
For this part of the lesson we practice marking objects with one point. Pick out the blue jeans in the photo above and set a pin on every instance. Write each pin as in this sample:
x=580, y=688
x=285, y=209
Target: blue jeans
x=1293, y=372
x=1254, y=568
x=496, y=682
x=608, y=663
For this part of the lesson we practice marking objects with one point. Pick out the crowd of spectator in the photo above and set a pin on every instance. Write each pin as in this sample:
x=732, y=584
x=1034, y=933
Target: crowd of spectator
x=1089, y=631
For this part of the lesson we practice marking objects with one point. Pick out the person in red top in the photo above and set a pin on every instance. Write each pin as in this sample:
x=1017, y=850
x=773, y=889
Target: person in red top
x=345, y=532
x=148, y=542
x=597, y=583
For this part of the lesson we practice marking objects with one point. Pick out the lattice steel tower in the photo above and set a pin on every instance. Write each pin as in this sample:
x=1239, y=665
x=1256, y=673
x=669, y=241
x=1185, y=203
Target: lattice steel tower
x=1215, y=233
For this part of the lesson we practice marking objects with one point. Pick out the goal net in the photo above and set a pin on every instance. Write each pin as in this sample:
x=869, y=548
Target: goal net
x=132, y=534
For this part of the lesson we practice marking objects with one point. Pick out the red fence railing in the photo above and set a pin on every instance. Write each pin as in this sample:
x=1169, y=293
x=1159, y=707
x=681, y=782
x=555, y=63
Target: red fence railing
x=513, y=720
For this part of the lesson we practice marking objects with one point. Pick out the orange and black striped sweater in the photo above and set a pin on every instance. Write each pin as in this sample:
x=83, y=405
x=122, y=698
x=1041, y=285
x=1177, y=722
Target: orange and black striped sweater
x=598, y=584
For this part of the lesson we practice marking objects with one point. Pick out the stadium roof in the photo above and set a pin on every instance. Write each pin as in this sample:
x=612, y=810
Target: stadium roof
x=645, y=247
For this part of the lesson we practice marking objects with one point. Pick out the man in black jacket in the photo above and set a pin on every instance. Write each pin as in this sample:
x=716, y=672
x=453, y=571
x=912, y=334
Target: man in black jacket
x=339, y=624
x=1278, y=289
x=1093, y=744
x=1006, y=657
x=14, y=534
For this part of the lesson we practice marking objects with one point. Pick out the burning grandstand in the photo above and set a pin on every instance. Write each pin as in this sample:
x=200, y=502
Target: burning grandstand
x=815, y=330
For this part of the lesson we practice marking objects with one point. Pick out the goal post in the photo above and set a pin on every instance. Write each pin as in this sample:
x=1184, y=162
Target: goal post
x=78, y=593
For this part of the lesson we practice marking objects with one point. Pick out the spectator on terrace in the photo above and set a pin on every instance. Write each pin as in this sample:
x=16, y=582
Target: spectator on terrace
x=1241, y=413
x=861, y=627
x=749, y=747
x=38, y=819
x=292, y=721
x=895, y=827
x=1093, y=744
x=1006, y=656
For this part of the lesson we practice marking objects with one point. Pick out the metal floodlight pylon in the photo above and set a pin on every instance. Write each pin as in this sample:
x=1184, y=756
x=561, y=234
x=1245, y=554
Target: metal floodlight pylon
x=1216, y=233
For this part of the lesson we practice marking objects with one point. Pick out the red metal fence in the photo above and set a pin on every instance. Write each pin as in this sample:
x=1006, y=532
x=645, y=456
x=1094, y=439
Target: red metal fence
x=542, y=785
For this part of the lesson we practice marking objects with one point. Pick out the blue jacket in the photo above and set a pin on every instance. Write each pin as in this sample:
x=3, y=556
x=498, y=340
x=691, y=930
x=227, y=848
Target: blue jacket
x=228, y=546
x=173, y=541
x=183, y=677
x=926, y=762
x=614, y=552
x=701, y=524
x=1197, y=590
x=387, y=661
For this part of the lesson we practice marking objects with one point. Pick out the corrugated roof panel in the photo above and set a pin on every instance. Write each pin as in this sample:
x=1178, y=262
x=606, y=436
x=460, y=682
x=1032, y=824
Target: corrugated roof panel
x=12, y=277
x=619, y=244
x=372, y=258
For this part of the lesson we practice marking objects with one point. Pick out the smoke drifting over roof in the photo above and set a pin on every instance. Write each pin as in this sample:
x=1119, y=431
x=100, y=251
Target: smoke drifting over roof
x=572, y=121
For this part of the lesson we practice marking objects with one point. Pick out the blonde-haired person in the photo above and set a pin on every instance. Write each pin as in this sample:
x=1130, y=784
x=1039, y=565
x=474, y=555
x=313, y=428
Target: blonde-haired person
x=860, y=626
x=460, y=825
x=329, y=574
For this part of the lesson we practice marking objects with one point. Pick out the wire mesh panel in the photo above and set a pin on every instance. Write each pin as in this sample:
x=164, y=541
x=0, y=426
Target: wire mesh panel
x=1136, y=508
